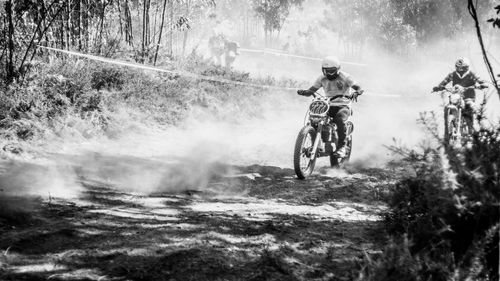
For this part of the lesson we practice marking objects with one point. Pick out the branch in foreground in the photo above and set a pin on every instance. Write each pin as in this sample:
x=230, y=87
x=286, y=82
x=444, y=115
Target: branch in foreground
x=473, y=13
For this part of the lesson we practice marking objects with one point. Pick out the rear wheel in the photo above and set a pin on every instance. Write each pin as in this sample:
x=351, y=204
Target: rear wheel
x=302, y=162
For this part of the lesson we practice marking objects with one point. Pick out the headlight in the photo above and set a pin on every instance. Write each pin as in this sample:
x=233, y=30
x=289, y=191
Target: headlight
x=316, y=119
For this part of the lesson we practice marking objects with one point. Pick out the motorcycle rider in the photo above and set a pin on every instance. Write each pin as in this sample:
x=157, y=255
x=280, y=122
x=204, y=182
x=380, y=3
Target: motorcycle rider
x=231, y=50
x=336, y=85
x=464, y=77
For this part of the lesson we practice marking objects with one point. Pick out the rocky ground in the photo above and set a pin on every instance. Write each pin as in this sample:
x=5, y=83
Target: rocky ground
x=248, y=223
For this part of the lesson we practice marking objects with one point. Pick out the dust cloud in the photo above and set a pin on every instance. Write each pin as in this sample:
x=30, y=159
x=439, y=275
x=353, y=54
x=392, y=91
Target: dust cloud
x=25, y=184
x=37, y=178
x=186, y=157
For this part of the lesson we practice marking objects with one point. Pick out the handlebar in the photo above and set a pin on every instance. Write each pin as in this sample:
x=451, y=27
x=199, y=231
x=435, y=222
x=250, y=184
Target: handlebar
x=465, y=88
x=351, y=97
x=450, y=89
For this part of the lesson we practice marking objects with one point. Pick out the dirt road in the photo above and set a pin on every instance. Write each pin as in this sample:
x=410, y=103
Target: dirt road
x=249, y=223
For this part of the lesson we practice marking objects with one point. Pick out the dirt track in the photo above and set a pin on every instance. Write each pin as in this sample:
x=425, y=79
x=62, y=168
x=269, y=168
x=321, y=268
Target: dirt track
x=250, y=223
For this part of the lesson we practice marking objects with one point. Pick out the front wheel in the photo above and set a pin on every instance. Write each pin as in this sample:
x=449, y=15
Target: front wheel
x=451, y=130
x=302, y=162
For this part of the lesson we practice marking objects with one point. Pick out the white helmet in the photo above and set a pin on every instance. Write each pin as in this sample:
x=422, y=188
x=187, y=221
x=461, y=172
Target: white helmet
x=462, y=65
x=330, y=67
x=330, y=61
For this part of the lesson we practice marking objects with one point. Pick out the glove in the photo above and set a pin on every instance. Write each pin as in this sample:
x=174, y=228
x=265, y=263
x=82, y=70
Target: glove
x=303, y=93
x=356, y=94
x=438, y=88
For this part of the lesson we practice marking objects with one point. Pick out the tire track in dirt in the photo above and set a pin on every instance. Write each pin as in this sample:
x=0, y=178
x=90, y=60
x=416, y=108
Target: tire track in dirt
x=249, y=223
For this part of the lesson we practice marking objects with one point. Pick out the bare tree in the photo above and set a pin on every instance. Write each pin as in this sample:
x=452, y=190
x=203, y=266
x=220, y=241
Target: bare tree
x=161, y=30
x=10, y=36
x=473, y=13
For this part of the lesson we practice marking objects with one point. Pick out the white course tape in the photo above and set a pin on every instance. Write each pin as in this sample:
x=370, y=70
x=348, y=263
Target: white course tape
x=276, y=53
x=181, y=73
x=370, y=93
x=187, y=74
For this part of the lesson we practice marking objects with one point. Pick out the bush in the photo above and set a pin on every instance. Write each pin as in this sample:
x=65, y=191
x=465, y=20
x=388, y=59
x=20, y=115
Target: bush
x=397, y=263
x=397, y=36
x=44, y=99
x=449, y=211
x=108, y=78
x=87, y=97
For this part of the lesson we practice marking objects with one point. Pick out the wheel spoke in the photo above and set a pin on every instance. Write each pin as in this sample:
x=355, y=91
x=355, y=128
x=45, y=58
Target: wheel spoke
x=303, y=164
x=305, y=157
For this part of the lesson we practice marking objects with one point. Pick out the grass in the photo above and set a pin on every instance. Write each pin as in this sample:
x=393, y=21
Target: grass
x=81, y=98
x=72, y=100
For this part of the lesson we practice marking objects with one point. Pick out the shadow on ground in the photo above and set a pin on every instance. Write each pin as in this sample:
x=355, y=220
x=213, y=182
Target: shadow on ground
x=247, y=223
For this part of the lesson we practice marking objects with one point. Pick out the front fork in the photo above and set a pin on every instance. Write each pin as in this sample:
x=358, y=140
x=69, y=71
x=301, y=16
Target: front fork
x=316, y=141
x=456, y=114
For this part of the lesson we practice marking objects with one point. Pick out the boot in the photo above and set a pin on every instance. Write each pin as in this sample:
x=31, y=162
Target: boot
x=341, y=152
x=342, y=149
x=329, y=147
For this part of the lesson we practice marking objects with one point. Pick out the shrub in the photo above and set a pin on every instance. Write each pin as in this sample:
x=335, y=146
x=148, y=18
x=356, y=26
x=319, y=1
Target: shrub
x=108, y=78
x=449, y=211
x=61, y=94
x=398, y=263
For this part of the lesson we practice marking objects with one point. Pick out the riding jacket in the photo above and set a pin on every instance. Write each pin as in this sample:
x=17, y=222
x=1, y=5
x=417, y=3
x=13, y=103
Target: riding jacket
x=338, y=87
x=468, y=79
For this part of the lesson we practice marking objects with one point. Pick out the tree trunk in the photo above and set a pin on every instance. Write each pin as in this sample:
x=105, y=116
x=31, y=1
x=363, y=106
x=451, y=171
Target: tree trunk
x=171, y=25
x=161, y=30
x=118, y=4
x=153, y=39
x=79, y=25
x=147, y=22
x=473, y=13
x=10, y=60
x=87, y=25
x=46, y=28
x=101, y=27
x=143, y=44
x=128, y=25
x=62, y=32
x=68, y=24
x=186, y=31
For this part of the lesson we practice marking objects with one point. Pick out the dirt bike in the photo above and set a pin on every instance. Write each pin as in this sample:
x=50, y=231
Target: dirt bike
x=319, y=138
x=456, y=127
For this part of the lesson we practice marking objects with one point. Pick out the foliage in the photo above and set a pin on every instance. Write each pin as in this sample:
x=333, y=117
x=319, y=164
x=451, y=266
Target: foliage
x=87, y=97
x=397, y=263
x=449, y=211
x=378, y=21
x=274, y=12
x=347, y=16
x=102, y=27
x=495, y=21
x=108, y=78
x=400, y=24
x=432, y=19
x=396, y=35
